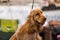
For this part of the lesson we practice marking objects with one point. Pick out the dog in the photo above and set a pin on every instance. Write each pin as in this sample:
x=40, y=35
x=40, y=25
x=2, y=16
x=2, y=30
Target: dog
x=31, y=28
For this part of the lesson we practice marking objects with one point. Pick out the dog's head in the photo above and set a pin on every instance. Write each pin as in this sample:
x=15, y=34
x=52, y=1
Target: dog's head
x=37, y=16
x=36, y=20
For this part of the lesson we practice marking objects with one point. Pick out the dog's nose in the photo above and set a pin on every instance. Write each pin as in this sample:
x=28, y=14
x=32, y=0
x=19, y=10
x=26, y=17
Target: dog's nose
x=45, y=19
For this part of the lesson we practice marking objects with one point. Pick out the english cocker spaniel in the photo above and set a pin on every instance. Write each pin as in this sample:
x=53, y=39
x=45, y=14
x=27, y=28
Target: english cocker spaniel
x=31, y=28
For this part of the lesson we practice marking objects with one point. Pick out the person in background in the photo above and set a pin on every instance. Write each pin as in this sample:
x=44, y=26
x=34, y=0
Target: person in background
x=50, y=4
x=43, y=3
x=54, y=22
x=55, y=28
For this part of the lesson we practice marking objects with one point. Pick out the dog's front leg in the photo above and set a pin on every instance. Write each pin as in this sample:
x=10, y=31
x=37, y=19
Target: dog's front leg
x=13, y=37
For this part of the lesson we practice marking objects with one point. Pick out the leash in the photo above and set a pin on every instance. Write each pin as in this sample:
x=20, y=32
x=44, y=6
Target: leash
x=32, y=4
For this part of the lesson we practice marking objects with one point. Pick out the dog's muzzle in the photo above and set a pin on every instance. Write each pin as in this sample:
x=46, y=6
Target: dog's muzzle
x=42, y=20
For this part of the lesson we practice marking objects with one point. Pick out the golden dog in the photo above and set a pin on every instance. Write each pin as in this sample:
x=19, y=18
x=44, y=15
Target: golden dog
x=32, y=27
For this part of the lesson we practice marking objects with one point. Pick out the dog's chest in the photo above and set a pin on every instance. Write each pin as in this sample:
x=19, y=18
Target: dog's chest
x=34, y=36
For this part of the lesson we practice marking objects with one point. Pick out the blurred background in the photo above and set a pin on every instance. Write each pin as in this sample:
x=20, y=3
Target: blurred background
x=13, y=13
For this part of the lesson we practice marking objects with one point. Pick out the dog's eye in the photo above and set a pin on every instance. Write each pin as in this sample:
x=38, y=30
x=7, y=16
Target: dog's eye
x=37, y=14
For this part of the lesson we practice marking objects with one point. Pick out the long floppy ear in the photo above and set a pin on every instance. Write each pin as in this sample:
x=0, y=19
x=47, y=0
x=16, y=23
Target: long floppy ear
x=31, y=16
x=36, y=16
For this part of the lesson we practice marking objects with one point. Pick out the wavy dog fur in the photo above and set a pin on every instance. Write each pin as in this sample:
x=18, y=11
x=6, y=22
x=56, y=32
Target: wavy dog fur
x=32, y=27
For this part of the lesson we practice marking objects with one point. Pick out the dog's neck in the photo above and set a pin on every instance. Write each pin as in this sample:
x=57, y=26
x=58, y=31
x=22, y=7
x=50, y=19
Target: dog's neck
x=33, y=25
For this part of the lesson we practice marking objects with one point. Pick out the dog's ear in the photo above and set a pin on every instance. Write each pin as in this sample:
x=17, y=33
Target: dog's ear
x=36, y=16
x=31, y=16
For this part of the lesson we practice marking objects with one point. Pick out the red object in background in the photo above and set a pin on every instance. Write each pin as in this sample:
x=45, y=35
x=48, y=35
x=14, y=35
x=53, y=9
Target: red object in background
x=58, y=36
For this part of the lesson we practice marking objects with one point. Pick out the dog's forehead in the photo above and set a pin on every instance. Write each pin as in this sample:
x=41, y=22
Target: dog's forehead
x=37, y=11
